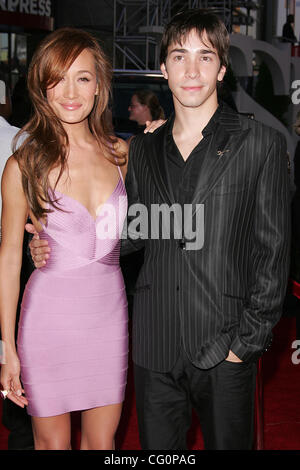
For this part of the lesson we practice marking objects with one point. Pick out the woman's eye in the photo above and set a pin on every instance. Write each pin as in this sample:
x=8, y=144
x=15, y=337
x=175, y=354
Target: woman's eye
x=84, y=79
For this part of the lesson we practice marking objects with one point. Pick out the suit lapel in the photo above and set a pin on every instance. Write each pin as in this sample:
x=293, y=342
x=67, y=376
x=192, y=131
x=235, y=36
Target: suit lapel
x=155, y=147
x=156, y=151
x=225, y=145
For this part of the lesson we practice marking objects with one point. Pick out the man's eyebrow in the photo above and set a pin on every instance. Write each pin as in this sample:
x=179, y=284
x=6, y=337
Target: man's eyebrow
x=178, y=50
x=201, y=51
x=207, y=51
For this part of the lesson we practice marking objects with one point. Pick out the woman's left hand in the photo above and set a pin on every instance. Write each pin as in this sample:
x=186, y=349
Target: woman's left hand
x=151, y=126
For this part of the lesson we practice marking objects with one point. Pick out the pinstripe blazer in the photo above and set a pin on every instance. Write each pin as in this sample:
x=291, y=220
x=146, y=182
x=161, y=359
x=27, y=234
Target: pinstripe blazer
x=228, y=294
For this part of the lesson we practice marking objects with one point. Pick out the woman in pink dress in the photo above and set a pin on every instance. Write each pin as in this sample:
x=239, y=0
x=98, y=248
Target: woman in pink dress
x=67, y=174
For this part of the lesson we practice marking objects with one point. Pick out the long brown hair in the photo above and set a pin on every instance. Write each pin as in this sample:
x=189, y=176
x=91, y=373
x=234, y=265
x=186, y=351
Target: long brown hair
x=44, y=144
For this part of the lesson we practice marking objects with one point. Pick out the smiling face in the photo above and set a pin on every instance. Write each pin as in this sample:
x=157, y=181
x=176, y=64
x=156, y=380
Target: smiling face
x=193, y=69
x=72, y=99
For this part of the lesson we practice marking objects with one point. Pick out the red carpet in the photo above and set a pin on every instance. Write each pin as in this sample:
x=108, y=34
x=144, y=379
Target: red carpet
x=282, y=390
x=281, y=401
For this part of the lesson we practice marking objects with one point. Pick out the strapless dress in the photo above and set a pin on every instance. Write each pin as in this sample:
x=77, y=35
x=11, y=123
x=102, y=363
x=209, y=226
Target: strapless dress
x=73, y=335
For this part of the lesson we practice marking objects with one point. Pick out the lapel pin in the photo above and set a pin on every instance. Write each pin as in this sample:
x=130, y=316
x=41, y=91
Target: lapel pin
x=220, y=153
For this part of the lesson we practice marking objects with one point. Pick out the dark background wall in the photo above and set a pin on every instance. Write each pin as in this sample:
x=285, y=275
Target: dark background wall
x=93, y=15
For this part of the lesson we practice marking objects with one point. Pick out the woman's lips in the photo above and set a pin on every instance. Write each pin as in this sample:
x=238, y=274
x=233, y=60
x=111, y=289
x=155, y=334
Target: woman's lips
x=71, y=107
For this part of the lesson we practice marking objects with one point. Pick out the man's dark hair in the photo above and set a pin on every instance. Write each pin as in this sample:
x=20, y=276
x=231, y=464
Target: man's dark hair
x=202, y=21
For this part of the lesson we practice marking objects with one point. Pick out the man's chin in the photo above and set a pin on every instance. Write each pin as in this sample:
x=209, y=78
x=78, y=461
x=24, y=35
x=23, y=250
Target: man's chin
x=191, y=104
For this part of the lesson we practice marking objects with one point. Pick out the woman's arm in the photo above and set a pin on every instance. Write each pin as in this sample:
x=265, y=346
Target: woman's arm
x=14, y=216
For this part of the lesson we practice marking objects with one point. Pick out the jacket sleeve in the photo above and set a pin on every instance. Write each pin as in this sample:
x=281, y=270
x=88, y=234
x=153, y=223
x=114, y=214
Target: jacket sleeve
x=131, y=241
x=269, y=256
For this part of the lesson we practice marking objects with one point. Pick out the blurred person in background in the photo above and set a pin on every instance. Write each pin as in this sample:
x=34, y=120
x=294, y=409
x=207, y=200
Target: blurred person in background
x=144, y=107
x=288, y=34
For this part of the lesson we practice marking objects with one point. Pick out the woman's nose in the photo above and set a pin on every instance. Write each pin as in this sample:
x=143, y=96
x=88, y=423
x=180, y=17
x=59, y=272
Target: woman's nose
x=69, y=89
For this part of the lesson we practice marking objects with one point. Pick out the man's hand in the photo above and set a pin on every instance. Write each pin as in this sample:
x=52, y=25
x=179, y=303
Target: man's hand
x=232, y=357
x=152, y=125
x=39, y=249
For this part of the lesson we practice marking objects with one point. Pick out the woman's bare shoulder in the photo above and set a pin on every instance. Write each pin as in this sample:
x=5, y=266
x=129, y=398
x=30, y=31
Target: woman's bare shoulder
x=12, y=165
x=13, y=195
x=11, y=171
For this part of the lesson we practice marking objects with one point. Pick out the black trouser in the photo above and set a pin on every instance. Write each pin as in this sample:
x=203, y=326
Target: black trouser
x=18, y=422
x=223, y=398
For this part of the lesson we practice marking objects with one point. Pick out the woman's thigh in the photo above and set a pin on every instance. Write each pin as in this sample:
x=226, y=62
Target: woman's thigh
x=52, y=433
x=98, y=427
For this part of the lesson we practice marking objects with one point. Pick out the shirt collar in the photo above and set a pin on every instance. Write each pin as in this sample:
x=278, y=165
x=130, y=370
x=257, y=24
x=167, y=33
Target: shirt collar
x=208, y=129
x=211, y=125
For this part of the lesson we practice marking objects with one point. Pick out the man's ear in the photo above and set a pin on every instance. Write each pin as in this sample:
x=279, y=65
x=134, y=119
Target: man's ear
x=221, y=73
x=163, y=68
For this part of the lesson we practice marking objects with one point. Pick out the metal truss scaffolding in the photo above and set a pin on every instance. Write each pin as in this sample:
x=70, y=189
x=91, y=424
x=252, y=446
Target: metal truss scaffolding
x=138, y=26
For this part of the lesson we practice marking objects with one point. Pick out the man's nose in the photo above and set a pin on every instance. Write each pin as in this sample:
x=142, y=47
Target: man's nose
x=192, y=69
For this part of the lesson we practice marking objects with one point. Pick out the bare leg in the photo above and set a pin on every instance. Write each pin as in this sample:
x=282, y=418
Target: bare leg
x=99, y=426
x=53, y=433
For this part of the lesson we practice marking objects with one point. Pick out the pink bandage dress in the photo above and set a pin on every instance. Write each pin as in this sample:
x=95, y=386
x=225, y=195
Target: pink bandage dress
x=73, y=337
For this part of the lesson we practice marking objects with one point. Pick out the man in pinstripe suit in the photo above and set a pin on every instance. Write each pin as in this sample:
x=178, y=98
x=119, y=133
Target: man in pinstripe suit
x=204, y=313
x=202, y=317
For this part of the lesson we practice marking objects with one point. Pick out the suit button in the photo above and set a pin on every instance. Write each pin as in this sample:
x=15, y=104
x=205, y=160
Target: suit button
x=181, y=244
x=177, y=288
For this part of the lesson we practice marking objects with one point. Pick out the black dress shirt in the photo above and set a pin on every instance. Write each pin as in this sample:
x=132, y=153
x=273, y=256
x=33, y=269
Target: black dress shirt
x=183, y=174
